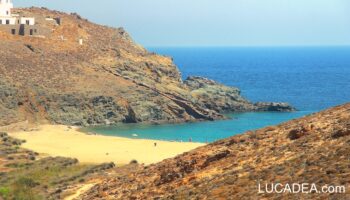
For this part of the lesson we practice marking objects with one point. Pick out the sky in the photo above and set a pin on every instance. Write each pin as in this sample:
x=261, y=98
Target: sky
x=155, y=23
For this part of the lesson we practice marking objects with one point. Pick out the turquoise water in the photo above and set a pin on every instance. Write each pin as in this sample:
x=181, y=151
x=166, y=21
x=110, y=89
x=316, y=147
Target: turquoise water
x=310, y=78
x=201, y=131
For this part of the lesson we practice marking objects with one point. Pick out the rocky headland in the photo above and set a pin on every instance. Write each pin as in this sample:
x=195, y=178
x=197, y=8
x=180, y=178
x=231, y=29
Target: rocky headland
x=106, y=79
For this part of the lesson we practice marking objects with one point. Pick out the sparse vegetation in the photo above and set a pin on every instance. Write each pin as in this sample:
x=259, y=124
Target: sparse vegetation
x=46, y=178
x=26, y=177
x=314, y=149
x=108, y=80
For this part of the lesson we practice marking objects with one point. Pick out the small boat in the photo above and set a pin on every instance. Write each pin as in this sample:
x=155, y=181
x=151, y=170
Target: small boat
x=134, y=135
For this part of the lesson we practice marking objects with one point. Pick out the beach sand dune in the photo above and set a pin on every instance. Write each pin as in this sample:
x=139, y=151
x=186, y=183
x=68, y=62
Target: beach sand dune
x=59, y=140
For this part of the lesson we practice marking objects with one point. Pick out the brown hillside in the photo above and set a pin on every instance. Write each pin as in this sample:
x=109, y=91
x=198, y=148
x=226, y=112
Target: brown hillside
x=108, y=79
x=314, y=149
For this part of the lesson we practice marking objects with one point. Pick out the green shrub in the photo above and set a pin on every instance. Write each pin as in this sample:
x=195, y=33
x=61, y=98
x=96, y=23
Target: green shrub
x=26, y=182
x=133, y=162
x=23, y=189
x=4, y=192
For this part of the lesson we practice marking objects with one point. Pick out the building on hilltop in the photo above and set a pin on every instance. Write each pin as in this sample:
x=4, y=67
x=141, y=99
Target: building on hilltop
x=5, y=13
x=19, y=23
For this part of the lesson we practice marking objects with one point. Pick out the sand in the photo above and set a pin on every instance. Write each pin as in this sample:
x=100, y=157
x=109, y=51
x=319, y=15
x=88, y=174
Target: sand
x=59, y=140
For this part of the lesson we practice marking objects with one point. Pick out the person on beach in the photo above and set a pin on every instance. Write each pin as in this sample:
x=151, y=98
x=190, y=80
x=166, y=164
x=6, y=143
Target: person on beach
x=155, y=144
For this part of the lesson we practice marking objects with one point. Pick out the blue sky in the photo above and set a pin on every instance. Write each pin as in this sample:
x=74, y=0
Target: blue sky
x=218, y=22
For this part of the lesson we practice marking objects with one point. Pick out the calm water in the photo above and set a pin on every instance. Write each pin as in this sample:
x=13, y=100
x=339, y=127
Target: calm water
x=309, y=78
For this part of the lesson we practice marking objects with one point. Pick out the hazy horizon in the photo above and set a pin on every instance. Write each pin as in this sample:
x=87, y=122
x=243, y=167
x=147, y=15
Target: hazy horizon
x=207, y=23
x=249, y=46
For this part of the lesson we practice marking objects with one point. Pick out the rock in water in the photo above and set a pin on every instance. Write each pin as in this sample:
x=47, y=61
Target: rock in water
x=275, y=107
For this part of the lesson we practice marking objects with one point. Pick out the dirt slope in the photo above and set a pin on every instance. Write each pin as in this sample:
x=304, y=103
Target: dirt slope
x=314, y=150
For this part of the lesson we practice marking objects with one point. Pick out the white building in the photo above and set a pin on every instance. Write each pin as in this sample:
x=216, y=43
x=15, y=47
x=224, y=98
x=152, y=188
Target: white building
x=6, y=17
x=5, y=8
x=27, y=20
x=5, y=12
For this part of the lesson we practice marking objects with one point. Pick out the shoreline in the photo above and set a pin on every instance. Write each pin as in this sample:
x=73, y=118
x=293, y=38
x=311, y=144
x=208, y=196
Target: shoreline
x=66, y=141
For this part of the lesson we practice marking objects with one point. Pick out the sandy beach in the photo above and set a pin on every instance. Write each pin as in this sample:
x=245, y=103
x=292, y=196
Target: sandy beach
x=59, y=140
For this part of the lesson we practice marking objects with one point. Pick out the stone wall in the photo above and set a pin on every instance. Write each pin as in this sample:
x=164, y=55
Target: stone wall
x=25, y=30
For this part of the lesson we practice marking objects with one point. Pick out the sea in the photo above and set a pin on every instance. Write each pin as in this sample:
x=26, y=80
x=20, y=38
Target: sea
x=309, y=78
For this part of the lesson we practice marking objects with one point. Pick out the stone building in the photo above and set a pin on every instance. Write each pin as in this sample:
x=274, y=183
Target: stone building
x=19, y=23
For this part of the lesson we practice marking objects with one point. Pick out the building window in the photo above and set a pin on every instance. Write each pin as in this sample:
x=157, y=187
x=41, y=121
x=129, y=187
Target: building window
x=7, y=21
x=27, y=22
x=0, y=21
x=31, y=32
x=13, y=31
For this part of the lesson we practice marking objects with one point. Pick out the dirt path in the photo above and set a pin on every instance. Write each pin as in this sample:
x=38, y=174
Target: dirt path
x=83, y=188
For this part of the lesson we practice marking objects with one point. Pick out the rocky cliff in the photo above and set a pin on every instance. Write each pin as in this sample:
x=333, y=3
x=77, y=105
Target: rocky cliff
x=108, y=79
x=312, y=150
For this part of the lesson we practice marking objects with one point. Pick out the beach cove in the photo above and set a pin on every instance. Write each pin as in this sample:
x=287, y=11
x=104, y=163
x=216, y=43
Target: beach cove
x=60, y=140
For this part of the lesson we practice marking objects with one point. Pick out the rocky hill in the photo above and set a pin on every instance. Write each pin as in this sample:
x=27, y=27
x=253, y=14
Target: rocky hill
x=107, y=79
x=314, y=150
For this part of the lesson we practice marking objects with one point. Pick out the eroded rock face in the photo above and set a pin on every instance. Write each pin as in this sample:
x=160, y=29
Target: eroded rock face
x=314, y=149
x=221, y=98
x=108, y=79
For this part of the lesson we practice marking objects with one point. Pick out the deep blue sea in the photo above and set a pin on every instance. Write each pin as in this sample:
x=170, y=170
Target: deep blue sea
x=309, y=78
